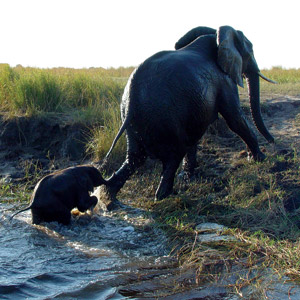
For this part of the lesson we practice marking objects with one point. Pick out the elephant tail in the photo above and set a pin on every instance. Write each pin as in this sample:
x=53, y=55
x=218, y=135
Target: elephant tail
x=121, y=130
x=28, y=207
x=126, y=104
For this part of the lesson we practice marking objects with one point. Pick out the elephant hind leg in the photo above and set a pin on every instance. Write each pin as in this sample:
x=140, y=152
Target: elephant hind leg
x=165, y=187
x=63, y=217
x=136, y=157
x=37, y=216
x=190, y=162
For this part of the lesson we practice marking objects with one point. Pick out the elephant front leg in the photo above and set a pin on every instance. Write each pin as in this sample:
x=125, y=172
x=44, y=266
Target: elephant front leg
x=238, y=124
x=86, y=202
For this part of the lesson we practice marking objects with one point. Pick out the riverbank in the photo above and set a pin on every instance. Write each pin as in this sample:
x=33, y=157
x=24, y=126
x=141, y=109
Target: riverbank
x=257, y=202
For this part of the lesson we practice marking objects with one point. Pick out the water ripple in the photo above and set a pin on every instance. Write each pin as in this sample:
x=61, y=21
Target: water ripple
x=88, y=259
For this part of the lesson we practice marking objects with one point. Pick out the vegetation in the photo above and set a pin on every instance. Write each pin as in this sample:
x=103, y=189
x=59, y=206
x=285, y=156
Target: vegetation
x=91, y=96
x=30, y=91
x=288, y=81
x=258, y=202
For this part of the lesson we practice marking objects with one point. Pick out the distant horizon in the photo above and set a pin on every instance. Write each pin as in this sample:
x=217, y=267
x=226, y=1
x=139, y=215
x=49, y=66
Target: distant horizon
x=125, y=67
x=61, y=67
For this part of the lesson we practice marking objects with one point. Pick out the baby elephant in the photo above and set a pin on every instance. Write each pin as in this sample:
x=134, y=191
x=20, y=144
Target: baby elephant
x=58, y=193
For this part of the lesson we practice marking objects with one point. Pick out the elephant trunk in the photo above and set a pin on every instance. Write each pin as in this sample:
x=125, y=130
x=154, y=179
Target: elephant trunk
x=253, y=89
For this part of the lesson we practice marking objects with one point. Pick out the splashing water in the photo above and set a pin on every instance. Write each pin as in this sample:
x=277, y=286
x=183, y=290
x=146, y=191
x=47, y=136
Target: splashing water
x=89, y=259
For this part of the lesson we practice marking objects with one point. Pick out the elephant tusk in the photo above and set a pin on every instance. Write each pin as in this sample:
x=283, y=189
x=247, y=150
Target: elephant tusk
x=265, y=78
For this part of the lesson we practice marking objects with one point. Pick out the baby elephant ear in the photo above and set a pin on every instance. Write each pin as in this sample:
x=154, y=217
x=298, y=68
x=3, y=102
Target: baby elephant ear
x=229, y=57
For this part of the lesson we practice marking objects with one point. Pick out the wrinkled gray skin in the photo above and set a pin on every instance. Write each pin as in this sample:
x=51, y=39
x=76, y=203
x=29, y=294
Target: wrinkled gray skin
x=172, y=97
x=57, y=194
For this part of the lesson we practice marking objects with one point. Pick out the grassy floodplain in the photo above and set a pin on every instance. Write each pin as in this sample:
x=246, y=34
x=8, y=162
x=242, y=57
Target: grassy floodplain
x=249, y=198
x=288, y=81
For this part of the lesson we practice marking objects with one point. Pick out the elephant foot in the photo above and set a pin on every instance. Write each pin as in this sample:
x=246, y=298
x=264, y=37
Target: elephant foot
x=114, y=205
x=162, y=193
x=259, y=156
x=107, y=196
x=186, y=177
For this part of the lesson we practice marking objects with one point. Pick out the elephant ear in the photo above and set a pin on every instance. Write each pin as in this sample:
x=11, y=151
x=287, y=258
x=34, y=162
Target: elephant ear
x=229, y=57
x=193, y=34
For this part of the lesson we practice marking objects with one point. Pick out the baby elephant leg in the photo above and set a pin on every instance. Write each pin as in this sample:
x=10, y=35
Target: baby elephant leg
x=86, y=202
x=62, y=216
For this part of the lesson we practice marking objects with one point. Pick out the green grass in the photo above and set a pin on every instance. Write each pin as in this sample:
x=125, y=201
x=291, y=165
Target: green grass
x=101, y=138
x=21, y=191
x=288, y=82
x=29, y=91
x=89, y=96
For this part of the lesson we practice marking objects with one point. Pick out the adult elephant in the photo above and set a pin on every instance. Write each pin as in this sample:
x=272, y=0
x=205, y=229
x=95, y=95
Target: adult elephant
x=172, y=97
x=58, y=193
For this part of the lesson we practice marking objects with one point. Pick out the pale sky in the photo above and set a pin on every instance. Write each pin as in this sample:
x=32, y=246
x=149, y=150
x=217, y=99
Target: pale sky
x=113, y=33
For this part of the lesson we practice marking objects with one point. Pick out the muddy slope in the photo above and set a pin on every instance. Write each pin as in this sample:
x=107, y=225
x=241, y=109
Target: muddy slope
x=39, y=140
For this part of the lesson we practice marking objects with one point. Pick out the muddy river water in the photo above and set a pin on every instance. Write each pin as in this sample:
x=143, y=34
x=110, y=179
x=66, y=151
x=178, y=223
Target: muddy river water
x=102, y=256
x=97, y=256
